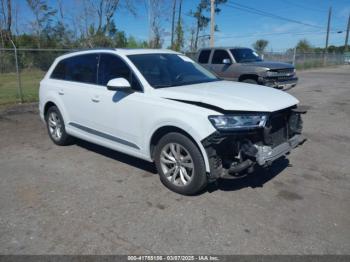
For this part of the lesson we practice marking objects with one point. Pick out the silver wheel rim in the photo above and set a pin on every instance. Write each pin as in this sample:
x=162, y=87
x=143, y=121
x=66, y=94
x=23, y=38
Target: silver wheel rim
x=177, y=164
x=55, y=126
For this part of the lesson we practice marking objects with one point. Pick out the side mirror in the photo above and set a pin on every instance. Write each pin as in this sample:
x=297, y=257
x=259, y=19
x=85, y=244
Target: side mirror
x=118, y=84
x=227, y=61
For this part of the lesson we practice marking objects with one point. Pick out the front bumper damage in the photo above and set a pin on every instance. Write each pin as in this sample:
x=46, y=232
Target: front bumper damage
x=231, y=154
x=266, y=154
x=283, y=83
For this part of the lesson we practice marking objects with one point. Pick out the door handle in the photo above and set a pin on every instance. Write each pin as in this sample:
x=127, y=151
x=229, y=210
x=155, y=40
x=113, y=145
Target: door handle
x=95, y=99
x=61, y=92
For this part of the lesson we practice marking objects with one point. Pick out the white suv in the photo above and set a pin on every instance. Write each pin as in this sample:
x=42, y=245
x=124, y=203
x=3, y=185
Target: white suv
x=161, y=106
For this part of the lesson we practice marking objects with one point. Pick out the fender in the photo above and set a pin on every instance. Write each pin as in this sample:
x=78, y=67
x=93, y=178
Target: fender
x=186, y=128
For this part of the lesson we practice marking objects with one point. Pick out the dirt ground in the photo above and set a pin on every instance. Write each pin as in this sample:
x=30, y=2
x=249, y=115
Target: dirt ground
x=85, y=199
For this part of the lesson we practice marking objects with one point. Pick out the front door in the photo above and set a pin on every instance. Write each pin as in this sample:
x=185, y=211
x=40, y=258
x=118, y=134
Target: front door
x=116, y=114
x=222, y=70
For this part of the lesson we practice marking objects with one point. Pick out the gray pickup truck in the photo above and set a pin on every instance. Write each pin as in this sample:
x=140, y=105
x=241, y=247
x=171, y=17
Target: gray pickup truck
x=245, y=65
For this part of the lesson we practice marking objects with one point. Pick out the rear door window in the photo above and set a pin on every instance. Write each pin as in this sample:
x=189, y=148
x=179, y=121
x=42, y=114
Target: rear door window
x=81, y=68
x=204, y=56
x=219, y=56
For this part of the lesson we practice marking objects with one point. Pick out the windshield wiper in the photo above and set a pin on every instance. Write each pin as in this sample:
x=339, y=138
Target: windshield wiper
x=161, y=86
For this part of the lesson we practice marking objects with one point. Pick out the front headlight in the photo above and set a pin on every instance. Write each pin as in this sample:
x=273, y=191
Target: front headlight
x=238, y=122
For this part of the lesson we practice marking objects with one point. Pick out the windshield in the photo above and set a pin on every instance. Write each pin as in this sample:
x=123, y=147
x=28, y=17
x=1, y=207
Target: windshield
x=167, y=70
x=243, y=55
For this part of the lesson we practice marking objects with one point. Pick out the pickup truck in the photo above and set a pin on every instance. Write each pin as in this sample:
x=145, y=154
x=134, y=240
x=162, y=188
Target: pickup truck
x=245, y=65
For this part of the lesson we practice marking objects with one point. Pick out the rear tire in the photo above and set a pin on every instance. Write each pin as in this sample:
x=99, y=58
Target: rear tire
x=56, y=127
x=180, y=164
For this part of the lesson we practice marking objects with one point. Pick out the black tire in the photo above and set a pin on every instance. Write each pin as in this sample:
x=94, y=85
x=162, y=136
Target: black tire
x=250, y=81
x=198, y=178
x=64, y=139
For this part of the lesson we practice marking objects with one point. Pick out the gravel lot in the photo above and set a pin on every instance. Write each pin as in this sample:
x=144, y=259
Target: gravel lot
x=85, y=199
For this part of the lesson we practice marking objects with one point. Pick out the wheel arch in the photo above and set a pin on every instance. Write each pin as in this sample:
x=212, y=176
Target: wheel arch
x=54, y=102
x=248, y=76
x=163, y=130
x=47, y=105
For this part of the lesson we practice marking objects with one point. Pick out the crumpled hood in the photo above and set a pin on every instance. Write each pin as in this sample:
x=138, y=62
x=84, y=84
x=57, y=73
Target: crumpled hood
x=229, y=95
x=270, y=64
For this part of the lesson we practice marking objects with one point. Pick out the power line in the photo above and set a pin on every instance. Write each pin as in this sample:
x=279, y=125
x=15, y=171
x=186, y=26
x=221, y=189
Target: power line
x=302, y=6
x=277, y=33
x=267, y=14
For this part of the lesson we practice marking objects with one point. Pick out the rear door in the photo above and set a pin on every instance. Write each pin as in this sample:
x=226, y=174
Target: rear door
x=73, y=77
x=203, y=58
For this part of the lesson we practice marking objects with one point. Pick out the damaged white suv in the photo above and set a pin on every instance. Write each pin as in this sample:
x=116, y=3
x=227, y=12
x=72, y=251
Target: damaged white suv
x=159, y=105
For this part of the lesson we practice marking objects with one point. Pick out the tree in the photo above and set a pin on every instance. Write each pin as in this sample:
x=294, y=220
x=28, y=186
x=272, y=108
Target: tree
x=202, y=18
x=105, y=10
x=173, y=25
x=43, y=16
x=179, y=43
x=5, y=21
x=260, y=46
x=157, y=13
x=304, y=46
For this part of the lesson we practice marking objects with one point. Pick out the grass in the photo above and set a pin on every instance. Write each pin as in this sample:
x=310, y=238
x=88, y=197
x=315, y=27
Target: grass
x=30, y=86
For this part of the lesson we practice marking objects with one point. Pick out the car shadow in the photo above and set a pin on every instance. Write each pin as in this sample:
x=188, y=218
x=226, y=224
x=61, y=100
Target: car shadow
x=256, y=179
x=118, y=156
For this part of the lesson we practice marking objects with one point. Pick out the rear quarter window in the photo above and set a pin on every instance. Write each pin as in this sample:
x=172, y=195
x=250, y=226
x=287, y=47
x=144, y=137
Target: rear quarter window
x=60, y=70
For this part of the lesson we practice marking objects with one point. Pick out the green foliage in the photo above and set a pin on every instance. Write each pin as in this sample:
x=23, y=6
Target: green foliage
x=179, y=40
x=260, y=46
x=30, y=86
x=304, y=46
x=133, y=43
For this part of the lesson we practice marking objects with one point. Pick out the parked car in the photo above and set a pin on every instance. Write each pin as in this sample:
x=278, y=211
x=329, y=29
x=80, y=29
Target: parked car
x=245, y=65
x=161, y=106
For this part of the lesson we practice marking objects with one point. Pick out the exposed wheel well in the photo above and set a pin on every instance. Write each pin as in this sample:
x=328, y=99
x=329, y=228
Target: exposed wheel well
x=162, y=131
x=248, y=76
x=47, y=106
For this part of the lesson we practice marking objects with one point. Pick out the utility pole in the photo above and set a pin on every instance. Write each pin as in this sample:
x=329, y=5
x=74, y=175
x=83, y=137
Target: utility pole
x=212, y=22
x=327, y=36
x=328, y=27
x=347, y=36
x=149, y=24
x=173, y=24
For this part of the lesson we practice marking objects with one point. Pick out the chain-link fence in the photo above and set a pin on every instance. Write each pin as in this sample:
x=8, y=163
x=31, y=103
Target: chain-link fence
x=33, y=63
x=303, y=60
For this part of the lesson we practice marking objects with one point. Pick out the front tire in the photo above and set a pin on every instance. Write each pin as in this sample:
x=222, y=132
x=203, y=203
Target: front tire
x=56, y=128
x=180, y=164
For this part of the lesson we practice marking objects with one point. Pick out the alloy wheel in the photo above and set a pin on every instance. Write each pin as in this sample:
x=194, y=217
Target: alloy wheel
x=177, y=164
x=55, y=126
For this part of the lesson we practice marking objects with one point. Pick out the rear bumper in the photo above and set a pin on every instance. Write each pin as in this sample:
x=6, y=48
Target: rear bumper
x=283, y=84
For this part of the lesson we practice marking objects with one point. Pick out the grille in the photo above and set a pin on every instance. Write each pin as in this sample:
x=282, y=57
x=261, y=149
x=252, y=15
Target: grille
x=281, y=78
x=284, y=70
